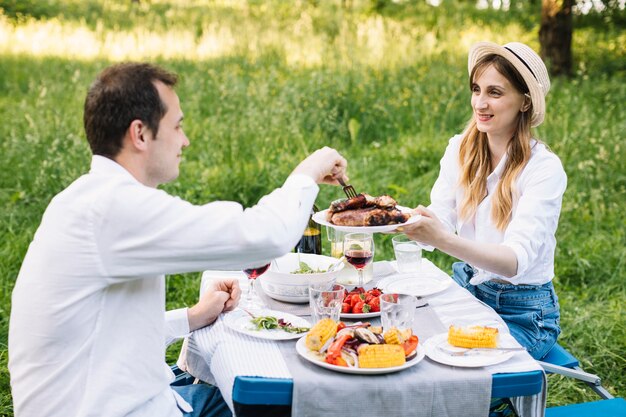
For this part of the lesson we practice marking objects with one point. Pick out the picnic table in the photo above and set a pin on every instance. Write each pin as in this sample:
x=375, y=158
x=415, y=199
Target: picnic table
x=257, y=375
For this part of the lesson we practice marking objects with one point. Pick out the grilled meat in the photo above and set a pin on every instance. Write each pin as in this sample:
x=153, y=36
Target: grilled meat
x=370, y=216
x=362, y=201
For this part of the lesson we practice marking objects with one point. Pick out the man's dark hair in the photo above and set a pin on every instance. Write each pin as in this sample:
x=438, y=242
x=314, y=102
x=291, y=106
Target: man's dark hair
x=123, y=93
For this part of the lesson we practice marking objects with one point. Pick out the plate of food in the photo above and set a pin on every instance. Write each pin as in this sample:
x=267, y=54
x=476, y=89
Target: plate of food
x=365, y=213
x=419, y=285
x=360, y=303
x=360, y=349
x=267, y=324
x=471, y=346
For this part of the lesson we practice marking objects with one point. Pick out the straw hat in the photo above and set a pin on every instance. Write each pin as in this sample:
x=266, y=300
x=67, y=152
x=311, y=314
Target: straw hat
x=529, y=65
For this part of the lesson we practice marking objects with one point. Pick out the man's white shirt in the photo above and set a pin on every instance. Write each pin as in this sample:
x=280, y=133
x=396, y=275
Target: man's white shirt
x=87, y=332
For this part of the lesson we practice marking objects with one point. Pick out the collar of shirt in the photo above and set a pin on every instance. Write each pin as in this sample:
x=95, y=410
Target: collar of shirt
x=102, y=165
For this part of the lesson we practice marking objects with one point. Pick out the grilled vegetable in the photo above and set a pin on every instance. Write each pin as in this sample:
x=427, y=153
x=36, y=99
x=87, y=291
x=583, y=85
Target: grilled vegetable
x=320, y=334
x=367, y=336
x=393, y=336
x=410, y=345
x=334, y=351
x=381, y=356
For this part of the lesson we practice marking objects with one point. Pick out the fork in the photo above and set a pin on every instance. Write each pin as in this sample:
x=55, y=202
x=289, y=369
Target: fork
x=348, y=189
x=469, y=351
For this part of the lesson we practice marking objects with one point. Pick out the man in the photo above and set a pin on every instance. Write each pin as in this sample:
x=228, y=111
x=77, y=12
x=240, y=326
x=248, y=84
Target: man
x=87, y=329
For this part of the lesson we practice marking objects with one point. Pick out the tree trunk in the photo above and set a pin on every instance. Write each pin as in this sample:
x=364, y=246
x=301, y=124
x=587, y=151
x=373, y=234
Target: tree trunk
x=555, y=35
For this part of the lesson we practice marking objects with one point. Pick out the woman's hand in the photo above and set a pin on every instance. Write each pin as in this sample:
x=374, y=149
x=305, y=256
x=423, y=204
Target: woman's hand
x=221, y=295
x=427, y=230
x=499, y=259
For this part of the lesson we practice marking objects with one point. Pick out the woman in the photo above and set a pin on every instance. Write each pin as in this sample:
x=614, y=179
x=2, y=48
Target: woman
x=501, y=190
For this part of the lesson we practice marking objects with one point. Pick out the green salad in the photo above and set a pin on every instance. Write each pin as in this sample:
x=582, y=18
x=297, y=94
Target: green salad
x=270, y=322
x=306, y=269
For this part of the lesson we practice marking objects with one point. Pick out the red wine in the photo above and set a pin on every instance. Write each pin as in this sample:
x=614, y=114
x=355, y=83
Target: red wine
x=358, y=258
x=254, y=273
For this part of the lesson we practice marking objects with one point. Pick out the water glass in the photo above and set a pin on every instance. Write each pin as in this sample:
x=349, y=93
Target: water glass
x=325, y=301
x=408, y=254
x=397, y=310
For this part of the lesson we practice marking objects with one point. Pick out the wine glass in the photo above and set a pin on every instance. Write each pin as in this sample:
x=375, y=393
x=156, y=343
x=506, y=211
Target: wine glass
x=253, y=274
x=358, y=249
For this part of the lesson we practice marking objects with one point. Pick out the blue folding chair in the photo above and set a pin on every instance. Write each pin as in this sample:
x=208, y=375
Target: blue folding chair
x=560, y=361
x=181, y=377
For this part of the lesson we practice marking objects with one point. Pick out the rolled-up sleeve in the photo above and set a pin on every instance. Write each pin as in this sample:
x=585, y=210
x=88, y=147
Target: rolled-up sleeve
x=536, y=214
x=176, y=325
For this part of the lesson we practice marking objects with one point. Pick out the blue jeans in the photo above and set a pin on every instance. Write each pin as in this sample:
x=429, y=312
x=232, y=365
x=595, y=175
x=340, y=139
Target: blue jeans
x=530, y=311
x=206, y=400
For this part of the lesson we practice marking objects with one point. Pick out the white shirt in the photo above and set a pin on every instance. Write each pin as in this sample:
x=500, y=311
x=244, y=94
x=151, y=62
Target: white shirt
x=87, y=329
x=536, y=209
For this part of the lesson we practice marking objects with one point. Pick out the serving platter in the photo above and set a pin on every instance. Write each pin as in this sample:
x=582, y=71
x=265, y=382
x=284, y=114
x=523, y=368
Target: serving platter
x=308, y=355
x=320, y=217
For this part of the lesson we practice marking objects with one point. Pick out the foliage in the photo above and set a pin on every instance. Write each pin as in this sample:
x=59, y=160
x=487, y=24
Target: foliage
x=265, y=83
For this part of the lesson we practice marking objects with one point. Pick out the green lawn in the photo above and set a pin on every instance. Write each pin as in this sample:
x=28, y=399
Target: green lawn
x=265, y=83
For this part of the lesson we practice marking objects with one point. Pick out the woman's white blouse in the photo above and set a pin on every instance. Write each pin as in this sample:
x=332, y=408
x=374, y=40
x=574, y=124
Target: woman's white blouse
x=536, y=209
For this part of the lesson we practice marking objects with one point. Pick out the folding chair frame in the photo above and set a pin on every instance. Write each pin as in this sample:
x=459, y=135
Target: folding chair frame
x=562, y=362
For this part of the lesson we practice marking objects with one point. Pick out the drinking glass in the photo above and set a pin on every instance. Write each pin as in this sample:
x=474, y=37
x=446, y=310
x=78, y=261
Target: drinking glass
x=408, y=254
x=397, y=310
x=325, y=300
x=358, y=249
x=253, y=274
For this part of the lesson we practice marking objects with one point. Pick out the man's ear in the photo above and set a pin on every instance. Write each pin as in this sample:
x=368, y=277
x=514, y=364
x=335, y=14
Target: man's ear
x=138, y=133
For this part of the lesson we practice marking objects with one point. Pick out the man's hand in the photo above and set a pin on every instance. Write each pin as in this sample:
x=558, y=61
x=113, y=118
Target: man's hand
x=324, y=165
x=221, y=295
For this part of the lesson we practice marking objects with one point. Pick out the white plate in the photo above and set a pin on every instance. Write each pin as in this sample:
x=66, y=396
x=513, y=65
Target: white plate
x=320, y=217
x=475, y=359
x=310, y=356
x=240, y=321
x=417, y=284
x=355, y=316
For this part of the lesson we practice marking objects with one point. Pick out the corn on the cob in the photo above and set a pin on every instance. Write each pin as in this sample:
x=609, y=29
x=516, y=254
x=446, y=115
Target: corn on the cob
x=381, y=356
x=473, y=336
x=320, y=333
x=393, y=336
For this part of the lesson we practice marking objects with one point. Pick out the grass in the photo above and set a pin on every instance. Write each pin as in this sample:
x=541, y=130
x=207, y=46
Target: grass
x=265, y=83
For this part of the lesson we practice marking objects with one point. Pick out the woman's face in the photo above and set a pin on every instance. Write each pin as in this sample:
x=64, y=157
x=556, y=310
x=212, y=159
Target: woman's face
x=496, y=104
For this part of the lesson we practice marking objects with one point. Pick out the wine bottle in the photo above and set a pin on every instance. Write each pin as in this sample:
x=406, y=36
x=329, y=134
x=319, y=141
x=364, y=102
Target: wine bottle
x=311, y=241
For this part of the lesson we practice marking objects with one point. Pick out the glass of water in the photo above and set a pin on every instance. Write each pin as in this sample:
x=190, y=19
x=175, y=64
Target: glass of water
x=397, y=310
x=408, y=254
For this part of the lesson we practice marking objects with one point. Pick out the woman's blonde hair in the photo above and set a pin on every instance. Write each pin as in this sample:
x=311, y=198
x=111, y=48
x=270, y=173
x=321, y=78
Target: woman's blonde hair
x=474, y=155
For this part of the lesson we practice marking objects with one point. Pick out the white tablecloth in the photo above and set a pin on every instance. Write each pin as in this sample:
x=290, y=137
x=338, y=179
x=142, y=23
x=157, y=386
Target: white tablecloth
x=217, y=355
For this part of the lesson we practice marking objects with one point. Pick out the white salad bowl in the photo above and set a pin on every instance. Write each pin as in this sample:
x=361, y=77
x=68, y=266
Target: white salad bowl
x=282, y=283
